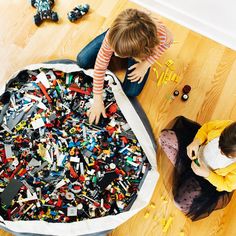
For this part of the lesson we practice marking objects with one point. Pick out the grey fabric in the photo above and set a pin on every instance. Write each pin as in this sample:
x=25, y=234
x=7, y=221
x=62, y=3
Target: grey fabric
x=64, y=61
x=146, y=123
x=103, y=233
x=144, y=119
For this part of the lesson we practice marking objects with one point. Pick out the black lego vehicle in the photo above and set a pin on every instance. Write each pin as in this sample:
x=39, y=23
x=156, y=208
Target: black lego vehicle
x=44, y=11
x=78, y=12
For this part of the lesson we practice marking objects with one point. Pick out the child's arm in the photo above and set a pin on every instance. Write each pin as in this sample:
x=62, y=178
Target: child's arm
x=166, y=39
x=223, y=183
x=202, y=135
x=101, y=64
x=141, y=68
x=193, y=149
x=216, y=126
x=97, y=109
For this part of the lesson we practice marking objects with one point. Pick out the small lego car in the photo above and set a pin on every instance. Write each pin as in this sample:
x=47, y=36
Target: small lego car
x=44, y=11
x=78, y=12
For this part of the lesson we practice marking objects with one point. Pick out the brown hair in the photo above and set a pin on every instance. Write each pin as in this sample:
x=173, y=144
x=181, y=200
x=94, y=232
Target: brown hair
x=227, y=142
x=133, y=34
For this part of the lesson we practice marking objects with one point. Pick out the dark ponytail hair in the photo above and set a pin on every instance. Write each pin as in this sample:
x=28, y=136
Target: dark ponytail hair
x=227, y=142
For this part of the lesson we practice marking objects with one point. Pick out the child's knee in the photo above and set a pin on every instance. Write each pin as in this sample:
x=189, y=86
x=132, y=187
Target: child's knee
x=132, y=93
x=168, y=137
x=82, y=61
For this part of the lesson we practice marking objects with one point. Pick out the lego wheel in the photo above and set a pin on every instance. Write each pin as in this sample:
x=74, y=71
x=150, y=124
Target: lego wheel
x=72, y=17
x=86, y=8
x=51, y=2
x=54, y=16
x=33, y=3
x=37, y=20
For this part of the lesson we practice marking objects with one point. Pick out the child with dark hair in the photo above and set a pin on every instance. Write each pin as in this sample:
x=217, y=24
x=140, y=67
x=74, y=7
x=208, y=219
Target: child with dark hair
x=204, y=161
x=133, y=35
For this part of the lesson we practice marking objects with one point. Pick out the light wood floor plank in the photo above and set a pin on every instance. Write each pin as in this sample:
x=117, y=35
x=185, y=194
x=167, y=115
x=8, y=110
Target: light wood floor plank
x=210, y=69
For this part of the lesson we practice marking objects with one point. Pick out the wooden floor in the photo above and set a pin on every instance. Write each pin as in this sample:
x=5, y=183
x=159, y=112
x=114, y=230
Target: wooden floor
x=208, y=67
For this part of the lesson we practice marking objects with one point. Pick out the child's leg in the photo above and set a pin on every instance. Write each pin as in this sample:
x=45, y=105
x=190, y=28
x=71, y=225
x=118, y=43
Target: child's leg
x=186, y=194
x=169, y=144
x=87, y=56
x=133, y=89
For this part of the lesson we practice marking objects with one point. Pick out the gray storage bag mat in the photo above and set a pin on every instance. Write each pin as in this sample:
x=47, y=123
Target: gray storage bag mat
x=59, y=175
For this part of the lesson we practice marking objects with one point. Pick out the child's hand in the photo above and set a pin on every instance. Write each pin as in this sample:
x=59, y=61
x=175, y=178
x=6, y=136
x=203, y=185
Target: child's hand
x=193, y=149
x=201, y=170
x=96, y=110
x=139, y=71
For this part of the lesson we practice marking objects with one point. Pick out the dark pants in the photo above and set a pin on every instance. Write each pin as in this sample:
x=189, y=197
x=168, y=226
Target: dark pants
x=87, y=57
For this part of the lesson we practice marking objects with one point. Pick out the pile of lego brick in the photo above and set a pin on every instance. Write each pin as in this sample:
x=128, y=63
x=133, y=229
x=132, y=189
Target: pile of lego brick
x=54, y=165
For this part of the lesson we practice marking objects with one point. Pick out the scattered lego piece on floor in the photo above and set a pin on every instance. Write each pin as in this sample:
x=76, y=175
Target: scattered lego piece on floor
x=181, y=233
x=184, y=97
x=155, y=218
x=176, y=93
x=167, y=74
x=170, y=64
x=44, y=11
x=186, y=89
x=167, y=224
x=78, y=12
x=147, y=214
x=153, y=205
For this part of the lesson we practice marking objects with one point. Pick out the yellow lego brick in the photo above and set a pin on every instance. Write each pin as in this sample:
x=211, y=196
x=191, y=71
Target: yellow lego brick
x=163, y=222
x=153, y=205
x=168, y=77
x=156, y=72
x=155, y=218
x=158, y=63
x=147, y=214
x=177, y=79
x=173, y=77
x=181, y=233
x=169, y=62
x=160, y=79
x=168, y=224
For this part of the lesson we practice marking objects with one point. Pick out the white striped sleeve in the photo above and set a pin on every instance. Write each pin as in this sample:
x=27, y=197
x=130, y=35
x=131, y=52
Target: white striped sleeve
x=101, y=64
x=166, y=39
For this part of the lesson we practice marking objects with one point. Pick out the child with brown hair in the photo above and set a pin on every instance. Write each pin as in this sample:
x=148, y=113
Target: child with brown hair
x=204, y=159
x=133, y=35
